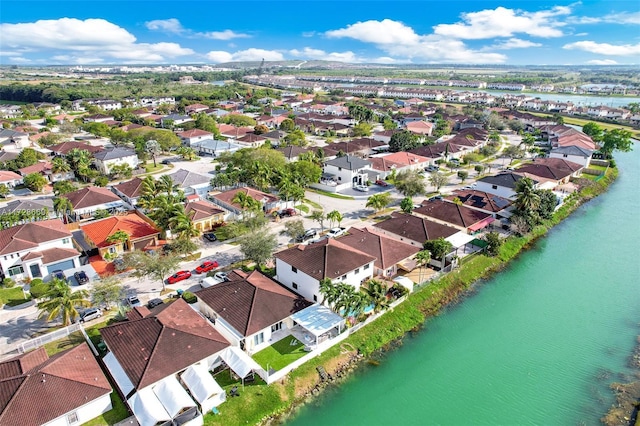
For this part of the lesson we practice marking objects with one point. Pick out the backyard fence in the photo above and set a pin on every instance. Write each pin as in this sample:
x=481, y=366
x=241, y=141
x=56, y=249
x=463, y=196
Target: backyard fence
x=47, y=338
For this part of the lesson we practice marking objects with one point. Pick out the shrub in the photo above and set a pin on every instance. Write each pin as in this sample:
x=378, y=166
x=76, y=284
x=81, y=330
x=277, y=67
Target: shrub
x=189, y=297
x=8, y=282
x=38, y=288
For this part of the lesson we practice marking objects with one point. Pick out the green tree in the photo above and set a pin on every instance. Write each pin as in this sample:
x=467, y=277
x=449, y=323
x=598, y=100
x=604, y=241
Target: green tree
x=377, y=294
x=593, y=130
x=402, y=141
x=101, y=214
x=512, y=152
x=406, y=205
x=463, y=175
x=422, y=259
x=4, y=190
x=294, y=228
x=150, y=265
x=379, y=201
x=107, y=291
x=260, y=129
x=334, y=216
x=121, y=171
x=616, y=140
x=152, y=147
x=118, y=237
x=62, y=187
x=60, y=165
x=318, y=216
x=410, y=183
x=438, y=248
x=35, y=182
x=60, y=302
x=362, y=129
x=101, y=181
x=239, y=120
x=258, y=246
x=287, y=125
x=63, y=207
x=494, y=242
x=479, y=168
x=329, y=291
x=527, y=199
x=247, y=203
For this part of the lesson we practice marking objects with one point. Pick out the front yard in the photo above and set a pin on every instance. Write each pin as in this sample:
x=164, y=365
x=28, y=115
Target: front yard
x=13, y=296
x=280, y=354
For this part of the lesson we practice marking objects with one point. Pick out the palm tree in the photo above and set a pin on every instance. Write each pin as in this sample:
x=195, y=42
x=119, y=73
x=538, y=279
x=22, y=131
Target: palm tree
x=60, y=165
x=119, y=237
x=377, y=293
x=62, y=206
x=328, y=291
x=181, y=223
x=422, y=258
x=61, y=301
x=527, y=198
x=334, y=216
x=379, y=201
x=246, y=202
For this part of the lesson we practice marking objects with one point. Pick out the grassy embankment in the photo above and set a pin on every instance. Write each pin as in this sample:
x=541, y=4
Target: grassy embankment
x=581, y=122
x=260, y=403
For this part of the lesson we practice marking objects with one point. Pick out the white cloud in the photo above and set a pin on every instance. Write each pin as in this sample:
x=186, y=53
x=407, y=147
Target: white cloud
x=88, y=41
x=18, y=59
x=167, y=25
x=310, y=53
x=602, y=62
x=605, y=48
x=378, y=32
x=624, y=18
x=503, y=22
x=253, y=54
x=222, y=35
x=513, y=43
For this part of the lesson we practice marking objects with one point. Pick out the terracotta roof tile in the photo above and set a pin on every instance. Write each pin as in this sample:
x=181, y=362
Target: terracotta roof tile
x=30, y=235
x=414, y=228
x=260, y=196
x=64, y=147
x=452, y=213
x=201, y=210
x=99, y=230
x=91, y=196
x=387, y=251
x=131, y=188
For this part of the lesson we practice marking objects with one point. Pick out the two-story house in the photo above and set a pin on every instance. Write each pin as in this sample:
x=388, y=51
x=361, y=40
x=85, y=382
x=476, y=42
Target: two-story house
x=87, y=200
x=191, y=183
x=35, y=249
x=344, y=172
x=117, y=156
x=190, y=137
x=503, y=184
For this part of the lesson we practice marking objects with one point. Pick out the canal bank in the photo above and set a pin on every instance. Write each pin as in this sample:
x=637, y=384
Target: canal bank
x=505, y=361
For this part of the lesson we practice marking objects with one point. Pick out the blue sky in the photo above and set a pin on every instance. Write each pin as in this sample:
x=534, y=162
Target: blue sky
x=603, y=32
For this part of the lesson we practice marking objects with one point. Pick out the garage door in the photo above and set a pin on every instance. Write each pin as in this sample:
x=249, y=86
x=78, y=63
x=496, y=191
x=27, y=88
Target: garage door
x=67, y=264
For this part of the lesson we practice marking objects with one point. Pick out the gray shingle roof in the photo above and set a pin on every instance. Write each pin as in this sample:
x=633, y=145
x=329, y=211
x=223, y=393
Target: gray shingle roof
x=349, y=162
x=114, y=153
x=507, y=180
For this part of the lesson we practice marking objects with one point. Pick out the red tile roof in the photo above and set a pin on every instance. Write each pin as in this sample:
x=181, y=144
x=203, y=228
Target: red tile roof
x=64, y=147
x=7, y=176
x=327, y=259
x=131, y=188
x=193, y=133
x=387, y=251
x=397, y=160
x=415, y=228
x=452, y=213
x=550, y=168
x=99, y=230
x=30, y=235
x=202, y=210
x=251, y=302
x=49, y=388
x=91, y=196
x=39, y=167
x=161, y=344
x=227, y=196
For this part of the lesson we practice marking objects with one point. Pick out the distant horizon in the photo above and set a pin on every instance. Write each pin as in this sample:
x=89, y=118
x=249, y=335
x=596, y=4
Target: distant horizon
x=470, y=32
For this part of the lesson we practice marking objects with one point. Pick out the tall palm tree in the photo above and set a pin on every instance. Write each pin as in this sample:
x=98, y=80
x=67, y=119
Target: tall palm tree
x=246, y=202
x=329, y=292
x=181, y=223
x=334, y=216
x=377, y=293
x=63, y=207
x=422, y=257
x=527, y=199
x=166, y=185
x=60, y=301
x=60, y=165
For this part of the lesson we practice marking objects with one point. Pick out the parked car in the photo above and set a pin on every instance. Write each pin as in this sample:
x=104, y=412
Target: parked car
x=59, y=275
x=179, y=276
x=336, y=232
x=287, y=213
x=380, y=182
x=432, y=168
x=210, y=236
x=81, y=277
x=206, y=266
x=361, y=188
x=118, y=264
x=90, y=314
x=133, y=301
x=154, y=302
x=308, y=235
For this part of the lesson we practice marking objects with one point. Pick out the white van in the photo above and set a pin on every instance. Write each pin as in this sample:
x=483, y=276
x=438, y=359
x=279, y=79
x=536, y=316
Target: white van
x=218, y=278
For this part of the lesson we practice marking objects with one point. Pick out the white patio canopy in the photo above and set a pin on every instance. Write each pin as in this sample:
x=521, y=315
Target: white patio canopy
x=459, y=239
x=118, y=374
x=203, y=387
x=318, y=319
x=173, y=396
x=147, y=408
x=241, y=363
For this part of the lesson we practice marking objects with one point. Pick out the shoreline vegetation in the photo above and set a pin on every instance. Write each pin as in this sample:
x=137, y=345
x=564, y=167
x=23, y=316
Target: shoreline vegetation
x=626, y=409
x=275, y=403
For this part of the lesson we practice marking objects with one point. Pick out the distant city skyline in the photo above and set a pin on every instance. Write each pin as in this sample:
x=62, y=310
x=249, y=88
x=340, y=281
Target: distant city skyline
x=384, y=32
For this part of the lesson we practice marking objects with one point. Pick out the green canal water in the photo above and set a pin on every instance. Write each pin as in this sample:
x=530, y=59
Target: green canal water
x=538, y=344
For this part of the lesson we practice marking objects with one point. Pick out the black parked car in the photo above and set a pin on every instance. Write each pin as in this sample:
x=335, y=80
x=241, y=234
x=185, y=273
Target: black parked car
x=210, y=236
x=81, y=277
x=154, y=302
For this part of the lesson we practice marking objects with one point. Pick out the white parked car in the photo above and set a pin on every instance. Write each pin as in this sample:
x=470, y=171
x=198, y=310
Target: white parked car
x=361, y=188
x=336, y=232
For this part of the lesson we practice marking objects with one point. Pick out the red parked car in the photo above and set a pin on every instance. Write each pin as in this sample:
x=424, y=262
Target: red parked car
x=179, y=276
x=381, y=183
x=207, y=265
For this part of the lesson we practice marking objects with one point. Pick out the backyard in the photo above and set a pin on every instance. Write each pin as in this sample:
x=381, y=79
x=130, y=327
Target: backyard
x=280, y=354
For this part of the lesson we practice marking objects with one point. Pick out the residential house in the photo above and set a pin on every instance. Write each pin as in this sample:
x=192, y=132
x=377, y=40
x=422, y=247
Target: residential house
x=385, y=135
x=35, y=249
x=98, y=118
x=413, y=230
x=391, y=254
x=204, y=215
x=87, y=200
x=10, y=111
x=250, y=140
x=292, y=152
x=250, y=308
x=189, y=137
x=8, y=155
x=140, y=230
x=10, y=179
x=344, y=172
x=550, y=172
x=130, y=191
x=361, y=147
x=174, y=119
x=214, y=147
x=301, y=268
x=233, y=132
x=420, y=127
x=191, y=183
x=45, y=168
x=63, y=148
x=274, y=136
x=150, y=351
x=574, y=154
x=453, y=214
x=484, y=202
x=269, y=202
x=398, y=161
x=441, y=150
x=28, y=206
x=67, y=388
x=105, y=160
x=503, y=184
x=195, y=108
x=19, y=139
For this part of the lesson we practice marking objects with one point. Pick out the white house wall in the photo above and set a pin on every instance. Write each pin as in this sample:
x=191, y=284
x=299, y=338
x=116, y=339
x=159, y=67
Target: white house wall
x=584, y=162
x=105, y=166
x=500, y=191
x=85, y=413
x=8, y=261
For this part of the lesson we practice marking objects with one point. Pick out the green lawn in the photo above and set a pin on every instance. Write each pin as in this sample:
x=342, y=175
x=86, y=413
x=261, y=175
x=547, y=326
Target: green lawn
x=280, y=354
x=71, y=341
x=13, y=296
x=118, y=413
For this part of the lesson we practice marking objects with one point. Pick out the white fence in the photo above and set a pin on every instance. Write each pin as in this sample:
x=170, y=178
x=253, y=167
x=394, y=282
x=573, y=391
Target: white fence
x=47, y=338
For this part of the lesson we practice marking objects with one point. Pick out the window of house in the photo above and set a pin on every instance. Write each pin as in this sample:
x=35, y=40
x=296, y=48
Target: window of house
x=294, y=269
x=258, y=338
x=344, y=277
x=494, y=186
x=339, y=169
x=366, y=266
x=276, y=327
x=72, y=418
x=565, y=155
x=112, y=249
x=315, y=298
x=65, y=241
x=16, y=270
x=5, y=258
x=294, y=285
x=356, y=271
